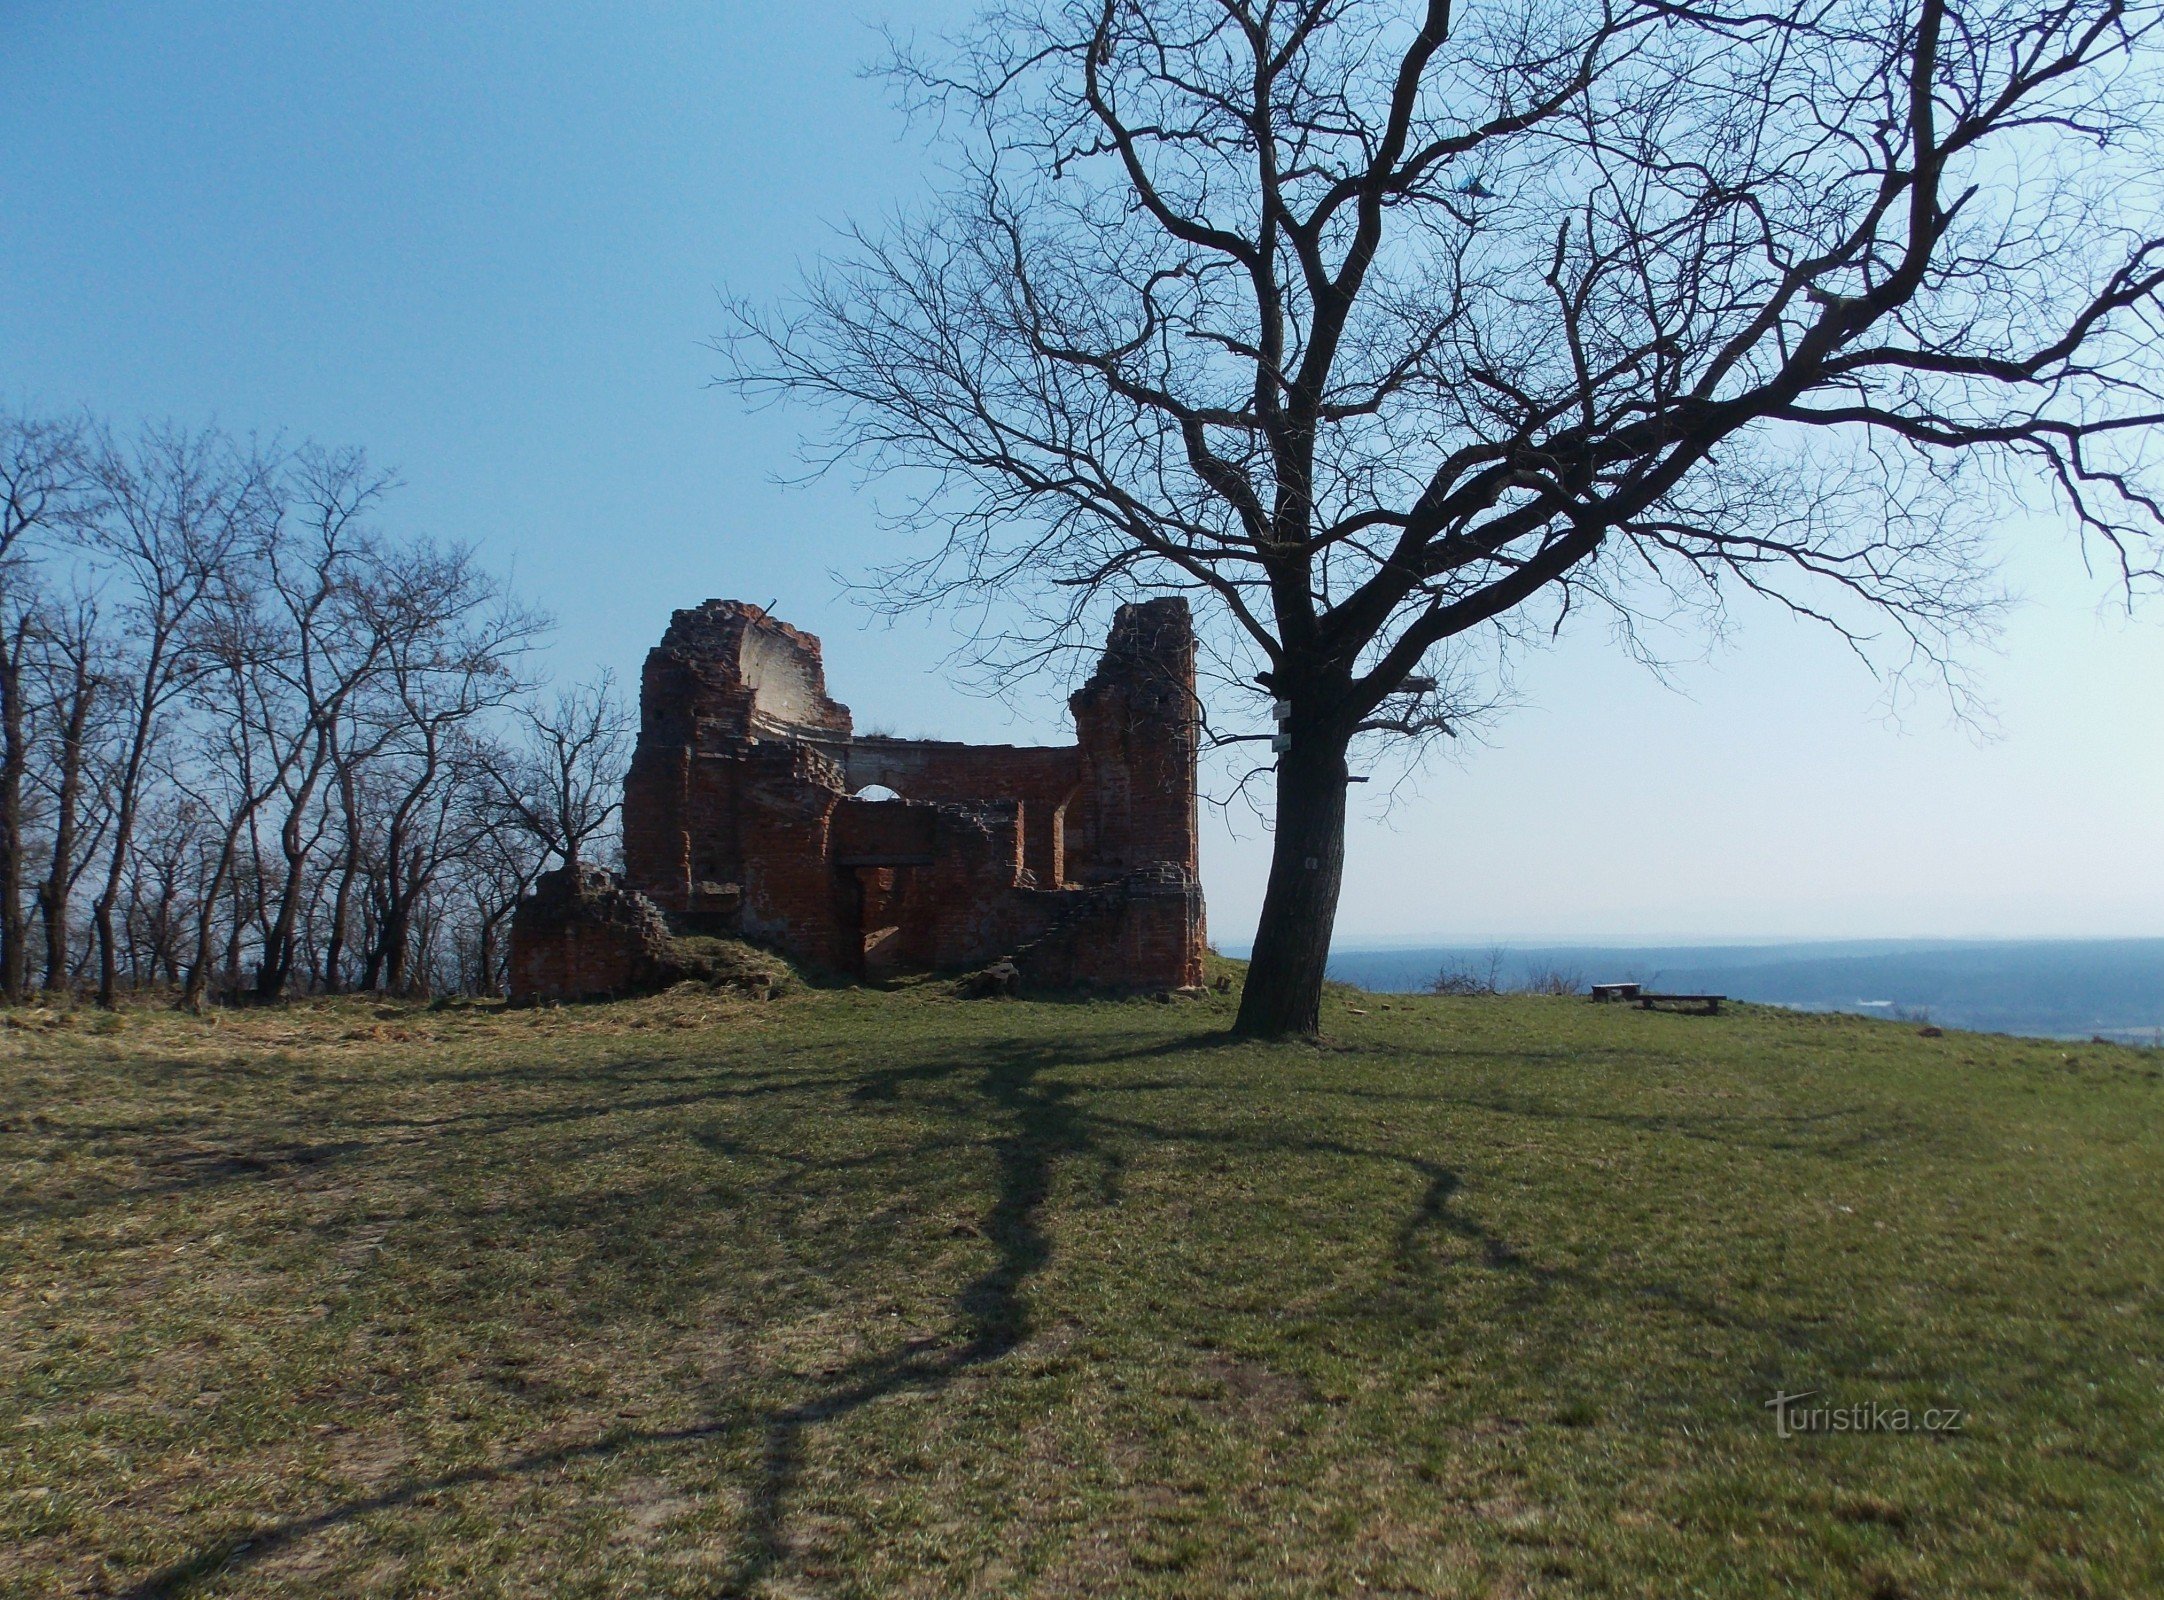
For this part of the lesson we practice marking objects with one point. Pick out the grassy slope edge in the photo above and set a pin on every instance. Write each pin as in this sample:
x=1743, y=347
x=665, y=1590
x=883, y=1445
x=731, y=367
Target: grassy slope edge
x=891, y=1294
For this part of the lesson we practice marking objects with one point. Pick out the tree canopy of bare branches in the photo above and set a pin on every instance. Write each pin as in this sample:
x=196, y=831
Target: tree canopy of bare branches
x=262, y=735
x=1379, y=326
x=563, y=782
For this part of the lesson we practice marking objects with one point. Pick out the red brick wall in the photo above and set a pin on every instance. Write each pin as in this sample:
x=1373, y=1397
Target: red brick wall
x=739, y=806
x=1042, y=778
x=1139, y=732
x=794, y=897
x=583, y=936
x=1142, y=932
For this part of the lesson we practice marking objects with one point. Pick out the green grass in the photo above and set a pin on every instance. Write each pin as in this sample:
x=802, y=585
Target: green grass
x=891, y=1294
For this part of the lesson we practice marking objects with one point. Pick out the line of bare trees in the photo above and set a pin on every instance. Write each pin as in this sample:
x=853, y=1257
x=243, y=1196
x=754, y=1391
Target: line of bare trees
x=254, y=745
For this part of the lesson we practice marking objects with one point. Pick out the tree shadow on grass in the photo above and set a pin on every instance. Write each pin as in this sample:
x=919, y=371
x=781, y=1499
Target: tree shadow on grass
x=1041, y=1124
x=203, y=1155
x=246, y=1548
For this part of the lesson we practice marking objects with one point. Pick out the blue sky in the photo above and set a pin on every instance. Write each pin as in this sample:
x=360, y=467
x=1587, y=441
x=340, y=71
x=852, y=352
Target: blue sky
x=487, y=243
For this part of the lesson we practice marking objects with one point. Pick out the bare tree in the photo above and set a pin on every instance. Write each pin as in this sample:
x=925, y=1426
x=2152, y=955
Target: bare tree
x=19, y=628
x=260, y=727
x=42, y=480
x=250, y=732
x=502, y=859
x=563, y=780
x=357, y=737
x=453, y=645
x=1378, y=326
x=171, y=511
x=73, y=679
x=161, y=894
x=334, y=585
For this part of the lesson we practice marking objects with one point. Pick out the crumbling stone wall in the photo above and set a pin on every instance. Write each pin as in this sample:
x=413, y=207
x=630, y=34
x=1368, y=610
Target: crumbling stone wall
x=743, y=814
x=581, y=935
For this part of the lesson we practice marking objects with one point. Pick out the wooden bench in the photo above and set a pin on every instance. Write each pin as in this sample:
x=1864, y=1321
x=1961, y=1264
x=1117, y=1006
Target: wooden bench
x=1638, y=995
x=1707, y=1005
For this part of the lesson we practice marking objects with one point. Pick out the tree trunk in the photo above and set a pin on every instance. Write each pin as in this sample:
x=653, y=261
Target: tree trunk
x=278, y=942
x=101, y=916
x=484, y=977
x=397, y=945
x=334, y=944
x=115, y=870
x=1283, y=995
x=349, y=870
x=383, y=903
x=127, y=792
x=197, y=987
x=14, y=763
x=59, y=885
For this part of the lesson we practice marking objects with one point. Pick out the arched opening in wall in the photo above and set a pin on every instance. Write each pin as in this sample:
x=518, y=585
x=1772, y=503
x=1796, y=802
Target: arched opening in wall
x=876, y=791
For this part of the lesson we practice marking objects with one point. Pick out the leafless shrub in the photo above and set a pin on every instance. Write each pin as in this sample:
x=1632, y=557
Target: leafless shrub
x=1553, y=980
x=1464, y=977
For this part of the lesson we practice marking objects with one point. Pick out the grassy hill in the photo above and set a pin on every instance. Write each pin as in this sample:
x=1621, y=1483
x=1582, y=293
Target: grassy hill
x=867, y=1294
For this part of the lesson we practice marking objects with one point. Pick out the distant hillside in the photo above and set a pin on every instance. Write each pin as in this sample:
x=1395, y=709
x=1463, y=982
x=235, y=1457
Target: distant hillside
x=2054, y=988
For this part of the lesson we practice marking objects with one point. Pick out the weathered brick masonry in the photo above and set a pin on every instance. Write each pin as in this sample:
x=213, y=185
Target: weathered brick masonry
x=583, y=933
x=744, y=813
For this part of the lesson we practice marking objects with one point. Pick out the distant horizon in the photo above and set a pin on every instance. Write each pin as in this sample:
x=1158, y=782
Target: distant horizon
x=1365, y=945
x=2050, y=988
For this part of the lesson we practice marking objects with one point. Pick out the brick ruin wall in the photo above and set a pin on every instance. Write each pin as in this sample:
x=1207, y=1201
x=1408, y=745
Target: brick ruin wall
x=582, y=933
x=744, y=813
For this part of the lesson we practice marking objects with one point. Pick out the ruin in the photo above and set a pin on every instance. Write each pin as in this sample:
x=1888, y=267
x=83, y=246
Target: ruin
x=753, y=809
